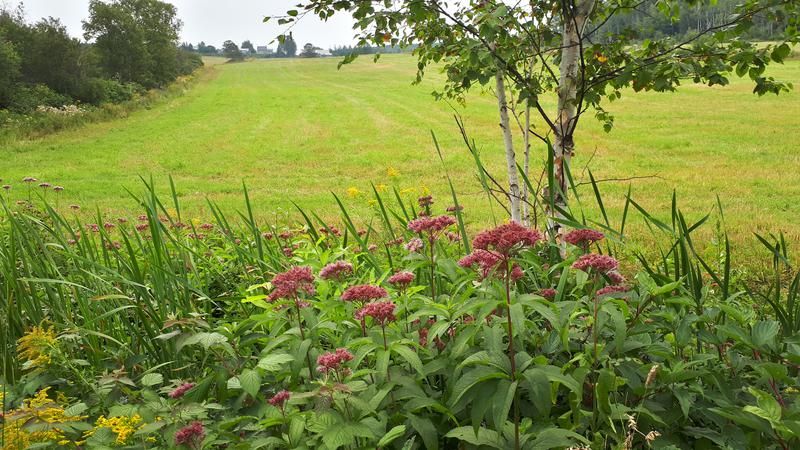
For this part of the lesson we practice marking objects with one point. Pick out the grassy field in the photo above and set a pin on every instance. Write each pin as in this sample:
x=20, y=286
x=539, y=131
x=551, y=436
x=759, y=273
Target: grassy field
x=299, y=129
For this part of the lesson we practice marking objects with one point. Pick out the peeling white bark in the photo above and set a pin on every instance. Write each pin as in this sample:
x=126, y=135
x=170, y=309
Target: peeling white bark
x=511, y=161
x=570, y=72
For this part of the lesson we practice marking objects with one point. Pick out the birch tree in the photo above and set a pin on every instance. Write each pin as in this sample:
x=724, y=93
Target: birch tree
x=539, y=49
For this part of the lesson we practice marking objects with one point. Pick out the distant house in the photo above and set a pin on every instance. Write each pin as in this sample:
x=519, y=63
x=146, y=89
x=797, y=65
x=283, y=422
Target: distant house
x=322, y=52
x=264, y=50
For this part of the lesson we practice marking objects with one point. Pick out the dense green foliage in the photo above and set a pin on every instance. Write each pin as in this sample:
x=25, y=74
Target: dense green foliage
x=646, y=21
x=134, y=49
x=158, y=333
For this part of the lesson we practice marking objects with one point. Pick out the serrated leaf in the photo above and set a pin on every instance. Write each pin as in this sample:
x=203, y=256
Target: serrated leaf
x=152, y=379
x=250, y=381
x=274, y=362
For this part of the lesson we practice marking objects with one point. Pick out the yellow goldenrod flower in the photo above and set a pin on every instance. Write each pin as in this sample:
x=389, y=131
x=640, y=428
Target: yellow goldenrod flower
x=19, y=428
x=424, y=189
x=353, y=192
x=381, y=187
x=391, y=172
x=122, y=426
x=36, y=345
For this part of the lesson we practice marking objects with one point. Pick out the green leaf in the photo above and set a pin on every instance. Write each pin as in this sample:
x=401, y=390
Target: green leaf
x=768, y=407
x=393, y=434
x=152, y=379
x=764, y=332
x=76, y=409
x=274, y=362
x=250, y=381
x=482, y=437
x=556, y=437
x=411, y=358
x=424, y=427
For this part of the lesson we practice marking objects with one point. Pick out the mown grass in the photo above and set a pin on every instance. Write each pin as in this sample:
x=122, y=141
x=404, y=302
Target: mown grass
x=299, y=129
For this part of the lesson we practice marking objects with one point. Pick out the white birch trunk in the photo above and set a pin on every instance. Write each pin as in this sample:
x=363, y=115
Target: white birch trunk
x=526, y=163
x=570, y=73
x=511, y=160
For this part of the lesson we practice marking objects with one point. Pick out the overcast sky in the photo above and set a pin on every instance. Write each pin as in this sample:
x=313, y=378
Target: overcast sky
x=213, y=21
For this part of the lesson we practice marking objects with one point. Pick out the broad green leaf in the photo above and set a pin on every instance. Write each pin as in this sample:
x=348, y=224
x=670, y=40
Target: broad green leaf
x=274, y=362
x=152, y=379
x=250, y=381
x=393, y=434
x=483, y=437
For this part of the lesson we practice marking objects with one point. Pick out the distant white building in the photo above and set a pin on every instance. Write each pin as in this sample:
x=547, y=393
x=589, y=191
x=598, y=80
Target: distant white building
x=322, y=52
x=264, y=50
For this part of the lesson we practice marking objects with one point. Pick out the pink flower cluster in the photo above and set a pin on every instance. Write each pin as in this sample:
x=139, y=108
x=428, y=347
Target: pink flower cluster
x=425, y=201
x=332, y=361
x=431, y=225
x=599, y=263
x=402, y=279
x=364, y=293
x=486, y=260
x=611, y=290
x=180, y=390
x=336, y=271
x=548, y=293
x=507, y=237
x=414, y=245
x=584, y=237
x=280, y=399
x=292, y=283
x=191, y=434
x=381, y=312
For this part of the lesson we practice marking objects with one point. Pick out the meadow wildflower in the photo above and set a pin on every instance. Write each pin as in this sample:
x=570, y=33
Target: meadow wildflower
x=353, y=192
x=180, y=390
x=599, y=263
x=332, y=361
x=548, y=293
x=583, y=237
x=391, y=172
x=364, y=293
x=36, y=346
x=402, y=279
x=191, y=435
x=507, y=238
x=292, y=283
x=608, y=290
x=279, y=400
x=336, y=271
x=381, y=312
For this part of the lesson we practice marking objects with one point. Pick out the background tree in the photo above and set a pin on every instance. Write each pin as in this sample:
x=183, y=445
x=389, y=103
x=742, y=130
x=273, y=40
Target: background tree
x=136, y=40
x=287, y=47
x=565, y=48
x=9, y=62
x=204, y=49
x=309, y=51
x=247, y=45
x=231, y=51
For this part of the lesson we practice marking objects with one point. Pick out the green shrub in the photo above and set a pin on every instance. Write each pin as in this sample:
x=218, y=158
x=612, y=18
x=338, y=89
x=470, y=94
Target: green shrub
x=26, y=98
x=97, y=91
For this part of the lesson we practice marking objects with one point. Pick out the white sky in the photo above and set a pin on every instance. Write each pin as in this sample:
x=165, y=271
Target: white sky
x=213, y=21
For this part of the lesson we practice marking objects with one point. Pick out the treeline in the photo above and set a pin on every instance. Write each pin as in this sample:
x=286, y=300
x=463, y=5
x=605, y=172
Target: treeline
x=133, y=49
x=366, y=50
x=646, y=22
